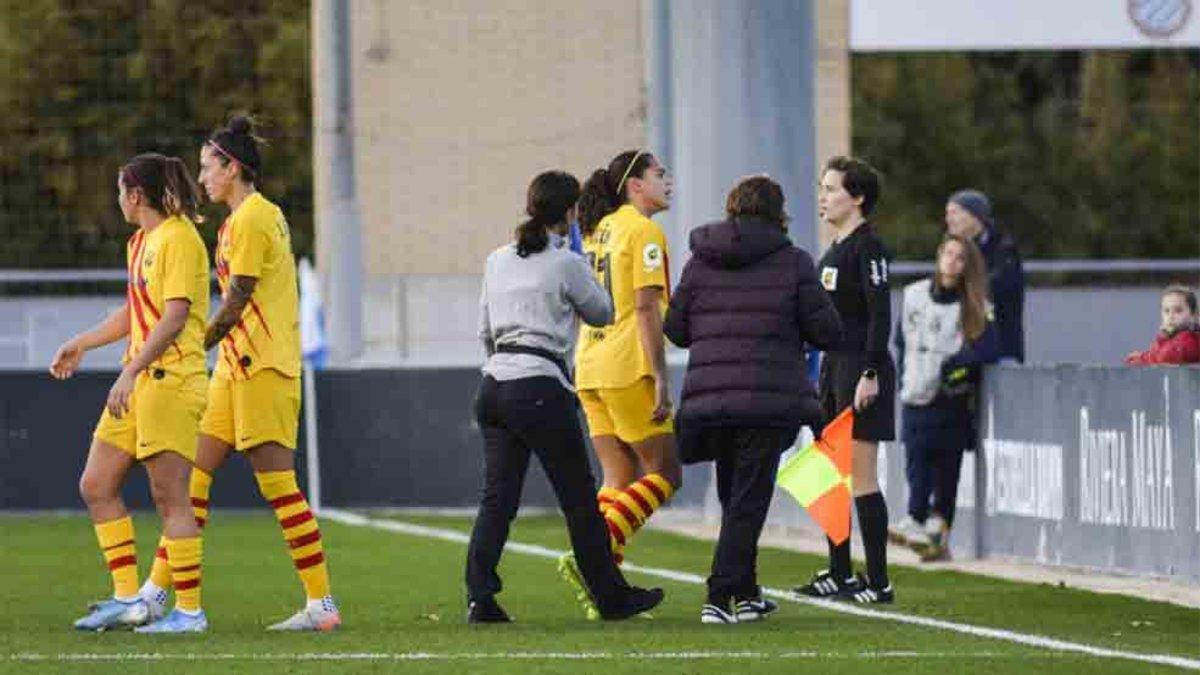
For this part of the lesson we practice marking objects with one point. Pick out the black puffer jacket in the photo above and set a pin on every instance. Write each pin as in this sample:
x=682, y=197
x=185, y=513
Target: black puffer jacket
x=747, y=303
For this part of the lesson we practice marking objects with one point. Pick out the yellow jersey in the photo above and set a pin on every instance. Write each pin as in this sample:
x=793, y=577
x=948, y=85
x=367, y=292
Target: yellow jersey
x=627, y=251
x=169, y=262
x=255, y=241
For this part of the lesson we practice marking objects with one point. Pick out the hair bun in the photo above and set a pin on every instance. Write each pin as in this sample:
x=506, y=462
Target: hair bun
x=240, y=124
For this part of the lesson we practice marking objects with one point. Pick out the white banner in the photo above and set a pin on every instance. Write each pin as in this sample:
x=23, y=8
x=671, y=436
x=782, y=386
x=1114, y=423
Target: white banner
x=961, y=25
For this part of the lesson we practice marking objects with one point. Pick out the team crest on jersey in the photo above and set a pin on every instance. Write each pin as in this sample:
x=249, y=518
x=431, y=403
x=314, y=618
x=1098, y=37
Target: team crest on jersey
x=148, y=258
x=829, y=277
x=652, y=257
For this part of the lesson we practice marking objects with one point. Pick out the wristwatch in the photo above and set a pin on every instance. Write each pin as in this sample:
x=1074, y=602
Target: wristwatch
x=870, y=373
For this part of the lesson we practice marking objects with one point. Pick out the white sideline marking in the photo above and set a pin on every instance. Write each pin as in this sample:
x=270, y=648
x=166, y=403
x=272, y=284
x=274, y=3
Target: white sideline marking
x=1027, y=639
x=498, y=656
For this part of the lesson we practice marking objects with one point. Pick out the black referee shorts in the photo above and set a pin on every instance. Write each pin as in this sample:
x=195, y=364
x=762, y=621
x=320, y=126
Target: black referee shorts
x=840, y=372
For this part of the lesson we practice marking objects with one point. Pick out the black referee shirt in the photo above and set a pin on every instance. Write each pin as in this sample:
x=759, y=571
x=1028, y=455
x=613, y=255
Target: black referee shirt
x=855, y=272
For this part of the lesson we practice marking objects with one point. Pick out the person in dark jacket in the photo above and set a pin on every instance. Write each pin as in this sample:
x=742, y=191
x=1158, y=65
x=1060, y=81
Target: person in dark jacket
x=747, y=303
x=944, y=336
x=969, y=214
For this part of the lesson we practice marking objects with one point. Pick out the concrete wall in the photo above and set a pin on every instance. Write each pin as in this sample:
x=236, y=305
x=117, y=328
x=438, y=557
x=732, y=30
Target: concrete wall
x=430, y=319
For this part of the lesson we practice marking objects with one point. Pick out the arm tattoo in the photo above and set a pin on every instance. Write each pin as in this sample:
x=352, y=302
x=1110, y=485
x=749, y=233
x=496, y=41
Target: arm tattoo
x=237, y=296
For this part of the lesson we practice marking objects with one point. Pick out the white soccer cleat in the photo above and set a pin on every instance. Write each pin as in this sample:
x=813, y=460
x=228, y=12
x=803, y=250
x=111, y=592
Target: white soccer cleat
x=908, y=532
x=322, y=618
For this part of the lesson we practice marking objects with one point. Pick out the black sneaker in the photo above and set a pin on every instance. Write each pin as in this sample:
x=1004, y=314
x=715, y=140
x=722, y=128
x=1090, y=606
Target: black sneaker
x=753, y=609
x=717, y=614
x=637, y=600
x=865, y=594
x=823, y=585
x=486, y=611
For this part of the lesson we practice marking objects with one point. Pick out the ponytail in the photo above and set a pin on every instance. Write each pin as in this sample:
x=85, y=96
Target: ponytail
x=597, y=201
x=180, y=195
x=607, y=189
x=550, y=196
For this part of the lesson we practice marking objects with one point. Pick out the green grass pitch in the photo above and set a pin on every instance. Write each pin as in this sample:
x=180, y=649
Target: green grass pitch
x=402, y=601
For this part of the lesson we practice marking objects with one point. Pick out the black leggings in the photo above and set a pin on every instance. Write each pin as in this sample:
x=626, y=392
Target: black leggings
x=537, y=415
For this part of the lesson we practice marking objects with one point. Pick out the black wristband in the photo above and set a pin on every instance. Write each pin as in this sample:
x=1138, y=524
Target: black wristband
x=870, y=374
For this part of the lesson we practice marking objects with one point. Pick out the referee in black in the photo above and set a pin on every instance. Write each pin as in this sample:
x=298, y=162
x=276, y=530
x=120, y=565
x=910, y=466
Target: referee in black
x=534, y=289
x=859, y=372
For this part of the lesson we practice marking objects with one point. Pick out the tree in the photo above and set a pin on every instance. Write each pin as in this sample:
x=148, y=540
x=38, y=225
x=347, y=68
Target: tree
x=1085, y=154
x=85, y=86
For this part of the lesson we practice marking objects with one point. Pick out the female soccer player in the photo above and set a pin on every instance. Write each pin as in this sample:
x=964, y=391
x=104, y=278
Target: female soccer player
x=859, y=371
x=533, y=290
x=621, y=370
x=254, y=397
x=154, y=407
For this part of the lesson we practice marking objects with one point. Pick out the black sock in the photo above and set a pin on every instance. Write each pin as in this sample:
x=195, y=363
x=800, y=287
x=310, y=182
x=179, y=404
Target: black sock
x=839, y=559
x=872, y=520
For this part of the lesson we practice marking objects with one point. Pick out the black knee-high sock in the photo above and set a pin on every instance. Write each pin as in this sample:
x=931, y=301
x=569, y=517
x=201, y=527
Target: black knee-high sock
x=872, y=520
x=839, y=559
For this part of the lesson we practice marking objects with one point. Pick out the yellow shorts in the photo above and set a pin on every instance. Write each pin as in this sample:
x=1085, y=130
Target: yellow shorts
x=625, y=413
x=248, y=413
x=164, y=414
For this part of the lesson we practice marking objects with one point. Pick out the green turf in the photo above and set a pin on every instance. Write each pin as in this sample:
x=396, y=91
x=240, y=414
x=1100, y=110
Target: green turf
x=403, y=594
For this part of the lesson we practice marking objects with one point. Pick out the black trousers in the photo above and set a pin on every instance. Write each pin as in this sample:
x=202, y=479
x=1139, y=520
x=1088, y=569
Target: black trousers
x=933, y=473
x=537, y=415
x=747, y=459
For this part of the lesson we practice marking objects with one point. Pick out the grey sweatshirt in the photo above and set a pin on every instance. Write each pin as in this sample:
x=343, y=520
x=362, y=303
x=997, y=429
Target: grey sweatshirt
x=533, y=302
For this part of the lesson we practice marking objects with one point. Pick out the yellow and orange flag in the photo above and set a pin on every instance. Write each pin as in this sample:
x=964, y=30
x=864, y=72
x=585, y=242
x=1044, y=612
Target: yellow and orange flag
x=819, y=477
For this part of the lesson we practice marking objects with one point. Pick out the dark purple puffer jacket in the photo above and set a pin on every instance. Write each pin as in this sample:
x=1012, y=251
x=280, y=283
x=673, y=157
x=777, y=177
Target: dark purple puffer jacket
x=746, y=304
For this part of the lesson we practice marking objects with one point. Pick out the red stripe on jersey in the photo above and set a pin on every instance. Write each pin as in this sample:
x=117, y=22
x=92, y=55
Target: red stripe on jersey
x=242, y=324
x=133, y=295
x=667, y=273
x=236, y=355
x=304, y=540
x=123, y=561
x=314, y=559
x=286, y=500
x=298, y=519
x=261, y=319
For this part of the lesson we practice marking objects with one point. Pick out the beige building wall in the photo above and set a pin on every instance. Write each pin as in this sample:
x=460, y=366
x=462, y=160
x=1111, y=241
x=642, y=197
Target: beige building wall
x=832, y=96
x=460, y=103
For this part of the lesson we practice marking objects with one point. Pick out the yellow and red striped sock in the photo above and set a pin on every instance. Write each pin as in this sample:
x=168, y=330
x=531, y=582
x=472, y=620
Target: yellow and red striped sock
x=160, y=571
x=634, y=506
x=198, y=486
x=185, y=556
x=300, y=529
x=116, y=542
x=605, y=497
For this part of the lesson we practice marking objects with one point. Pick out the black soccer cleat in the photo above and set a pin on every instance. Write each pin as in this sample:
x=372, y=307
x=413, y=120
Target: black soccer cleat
x=868, y=595
x=824, y=585
x=715, y=614
x=753, y=609
x=486, y=611
x=636, y=601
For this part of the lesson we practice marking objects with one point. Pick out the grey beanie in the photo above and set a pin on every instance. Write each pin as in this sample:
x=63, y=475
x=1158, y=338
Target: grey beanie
x=976, y=203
